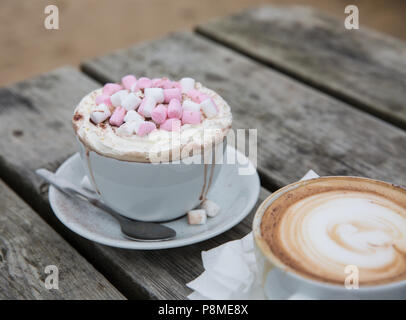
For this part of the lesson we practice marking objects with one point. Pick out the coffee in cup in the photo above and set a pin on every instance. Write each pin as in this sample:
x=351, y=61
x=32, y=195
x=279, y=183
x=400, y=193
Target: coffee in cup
x=324, y=226
x=313, y=233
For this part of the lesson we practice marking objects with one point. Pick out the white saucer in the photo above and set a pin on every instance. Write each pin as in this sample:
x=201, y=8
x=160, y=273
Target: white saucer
x=235, y=194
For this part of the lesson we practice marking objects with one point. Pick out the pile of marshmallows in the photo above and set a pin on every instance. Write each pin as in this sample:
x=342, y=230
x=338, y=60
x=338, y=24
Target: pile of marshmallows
x=207, y=208
x=141, y=106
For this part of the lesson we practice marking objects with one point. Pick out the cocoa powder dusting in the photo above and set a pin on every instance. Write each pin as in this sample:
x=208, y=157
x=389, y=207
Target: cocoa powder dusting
x=77, y=117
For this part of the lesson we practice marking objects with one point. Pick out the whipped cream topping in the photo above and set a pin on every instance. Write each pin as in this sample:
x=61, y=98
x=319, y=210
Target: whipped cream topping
x=158, y=145
x=321, y=234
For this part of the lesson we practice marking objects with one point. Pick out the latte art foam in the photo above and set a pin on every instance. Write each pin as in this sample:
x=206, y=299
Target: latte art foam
x=319, y=231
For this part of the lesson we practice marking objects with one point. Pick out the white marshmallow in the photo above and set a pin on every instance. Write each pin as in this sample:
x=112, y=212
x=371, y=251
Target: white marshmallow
x=190, y=105
x=211, y=208
x=86, y=184
x=156, y=93
x=209, y=108
x=128, y=128
x=131, y=102
x=197, y=216
x=98, y=117
x=118, y=97
x=133, y=115
x=187, y=84
x=101, y=108
x=100, y=113
x=148, y=105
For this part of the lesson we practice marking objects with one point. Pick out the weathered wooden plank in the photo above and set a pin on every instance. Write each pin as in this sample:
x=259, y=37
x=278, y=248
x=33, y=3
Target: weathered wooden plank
x=28, y=245
x=162, y=274
x=35, y=124
x=36, y=132
x=362, y=67
x=298, y=127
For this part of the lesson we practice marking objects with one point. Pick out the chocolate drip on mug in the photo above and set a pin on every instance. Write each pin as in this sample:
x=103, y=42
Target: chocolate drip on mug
x=205, y=189
x=89, y=166
x=202, y=195
x=211, y=176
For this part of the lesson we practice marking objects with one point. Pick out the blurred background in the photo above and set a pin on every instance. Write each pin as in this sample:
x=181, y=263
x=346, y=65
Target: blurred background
x=89, y=28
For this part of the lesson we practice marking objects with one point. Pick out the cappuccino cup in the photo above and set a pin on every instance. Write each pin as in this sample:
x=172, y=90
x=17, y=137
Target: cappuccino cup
x=333, y=238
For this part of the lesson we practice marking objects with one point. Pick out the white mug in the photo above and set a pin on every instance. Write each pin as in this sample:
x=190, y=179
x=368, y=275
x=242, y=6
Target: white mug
x=279, y=281
x=152, y=192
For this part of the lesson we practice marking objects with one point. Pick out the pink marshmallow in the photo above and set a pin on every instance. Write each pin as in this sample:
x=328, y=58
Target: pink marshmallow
x=143, y=83
x=117, y=118
x=176, y=84
x=159, y=114
x=163, y=83
x=171, y=125
x=174, y=109
x=128, y=81
x=197, y=96
x=111, y=88
x=145, y=128
x=156, y=83
x=166, y=83
x=173, y=93
x=191, y=117
x=103, y=98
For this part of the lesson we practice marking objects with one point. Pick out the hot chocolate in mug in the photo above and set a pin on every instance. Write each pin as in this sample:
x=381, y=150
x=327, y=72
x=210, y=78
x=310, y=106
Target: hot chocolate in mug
x=143, y=143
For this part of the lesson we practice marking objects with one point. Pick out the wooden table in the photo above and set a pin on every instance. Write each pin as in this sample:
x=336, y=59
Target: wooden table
x=321, y=97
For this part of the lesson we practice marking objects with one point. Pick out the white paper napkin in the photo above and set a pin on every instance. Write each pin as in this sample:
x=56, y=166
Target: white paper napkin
x=231, y=270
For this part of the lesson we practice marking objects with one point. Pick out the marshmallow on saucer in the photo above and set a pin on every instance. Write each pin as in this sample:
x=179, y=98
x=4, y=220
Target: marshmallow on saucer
x=197, y=216
x=156, y=93
x=187, y=84
x=209, y=108
x=211, y=208
x=190, y=105
x=118, y=97
x=131, y=101
x=100, y=113
x=147, y=105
